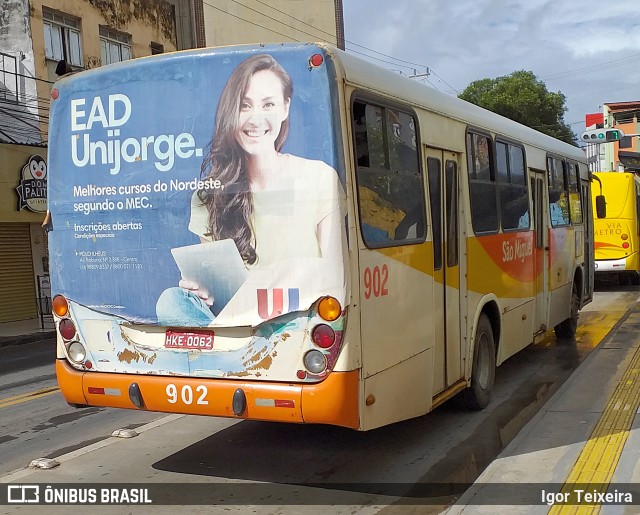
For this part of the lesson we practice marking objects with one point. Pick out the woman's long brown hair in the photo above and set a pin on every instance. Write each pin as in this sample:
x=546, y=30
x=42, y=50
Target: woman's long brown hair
x=230, y=208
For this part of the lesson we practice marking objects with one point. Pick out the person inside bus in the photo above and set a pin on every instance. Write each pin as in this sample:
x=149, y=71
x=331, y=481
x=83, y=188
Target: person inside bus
x=275, y=206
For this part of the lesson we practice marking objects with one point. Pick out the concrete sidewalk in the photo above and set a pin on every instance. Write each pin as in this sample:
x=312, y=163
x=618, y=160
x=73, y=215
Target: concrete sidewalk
x=587, y=436
x=26, y=331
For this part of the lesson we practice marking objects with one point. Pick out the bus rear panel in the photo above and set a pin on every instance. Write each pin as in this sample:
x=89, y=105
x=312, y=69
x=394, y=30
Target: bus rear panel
x=139, y=153
x=616, y=231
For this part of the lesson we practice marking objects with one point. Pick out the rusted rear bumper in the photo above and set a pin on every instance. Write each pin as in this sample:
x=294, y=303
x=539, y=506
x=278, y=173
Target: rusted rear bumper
x=333, y=401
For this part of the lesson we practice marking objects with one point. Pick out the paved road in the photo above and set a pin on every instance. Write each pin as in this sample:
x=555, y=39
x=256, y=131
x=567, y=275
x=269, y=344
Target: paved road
x=448, y=445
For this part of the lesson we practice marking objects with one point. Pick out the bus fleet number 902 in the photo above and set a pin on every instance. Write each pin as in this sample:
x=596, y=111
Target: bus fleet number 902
x=186, y=394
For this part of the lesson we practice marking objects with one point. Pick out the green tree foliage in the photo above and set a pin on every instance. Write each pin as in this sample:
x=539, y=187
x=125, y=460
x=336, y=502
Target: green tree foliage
x=525, y=99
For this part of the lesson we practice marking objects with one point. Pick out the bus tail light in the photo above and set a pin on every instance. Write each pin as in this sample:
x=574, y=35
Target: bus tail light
x=329, y=309
x=316, y=60
x=315, y=362
x=60, y=306
x=625, y=245
x=323, y=336
x=624, y=237
x=77, y=352
x=67, y=328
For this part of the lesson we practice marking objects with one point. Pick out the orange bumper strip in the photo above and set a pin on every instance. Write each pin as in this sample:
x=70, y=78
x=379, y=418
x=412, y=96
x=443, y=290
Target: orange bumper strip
x=334, y=401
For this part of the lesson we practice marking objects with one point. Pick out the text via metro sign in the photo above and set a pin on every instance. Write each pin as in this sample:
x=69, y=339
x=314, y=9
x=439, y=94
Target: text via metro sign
x=189, y=340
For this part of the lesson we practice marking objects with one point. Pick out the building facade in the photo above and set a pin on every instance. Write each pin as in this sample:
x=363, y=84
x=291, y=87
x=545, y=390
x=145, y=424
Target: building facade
x=229, y=22
x=624, y=154
x=594, y=152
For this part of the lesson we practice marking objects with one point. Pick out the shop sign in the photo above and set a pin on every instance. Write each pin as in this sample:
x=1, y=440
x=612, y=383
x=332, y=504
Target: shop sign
x=32, y=190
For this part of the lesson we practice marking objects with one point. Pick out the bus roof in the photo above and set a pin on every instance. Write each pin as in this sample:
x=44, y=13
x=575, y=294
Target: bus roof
x=360, y=71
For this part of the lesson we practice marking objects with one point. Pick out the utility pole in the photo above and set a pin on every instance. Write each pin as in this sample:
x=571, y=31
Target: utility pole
x=417, y=75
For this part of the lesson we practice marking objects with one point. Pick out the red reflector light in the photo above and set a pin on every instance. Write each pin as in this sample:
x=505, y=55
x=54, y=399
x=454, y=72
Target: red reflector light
x=88, y=364
x=625, y=245
x=323, y=336
x=67, y=328
x=54, y=93
x=301, y=374
x=96, y=391
x=281, y=403
x=316, y=60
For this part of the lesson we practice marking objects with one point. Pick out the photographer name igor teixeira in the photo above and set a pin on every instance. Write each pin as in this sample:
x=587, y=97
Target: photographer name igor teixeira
x=580, y=496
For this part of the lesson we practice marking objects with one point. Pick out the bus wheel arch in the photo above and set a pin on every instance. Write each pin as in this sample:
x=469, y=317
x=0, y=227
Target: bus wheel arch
x=483, y=369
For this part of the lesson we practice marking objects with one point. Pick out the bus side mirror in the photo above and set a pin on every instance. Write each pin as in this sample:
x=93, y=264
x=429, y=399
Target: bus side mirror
x=601, y=206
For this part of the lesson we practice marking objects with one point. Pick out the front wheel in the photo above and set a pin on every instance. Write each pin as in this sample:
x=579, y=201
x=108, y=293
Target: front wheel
x=478, y=394
x=568, y=327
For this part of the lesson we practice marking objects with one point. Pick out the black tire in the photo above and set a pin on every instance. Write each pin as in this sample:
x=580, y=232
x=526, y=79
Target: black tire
x=568, y=327
x=483, y=374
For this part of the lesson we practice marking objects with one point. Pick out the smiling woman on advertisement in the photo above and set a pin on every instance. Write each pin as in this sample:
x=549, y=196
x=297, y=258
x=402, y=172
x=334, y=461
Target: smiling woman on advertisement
x=274, y=206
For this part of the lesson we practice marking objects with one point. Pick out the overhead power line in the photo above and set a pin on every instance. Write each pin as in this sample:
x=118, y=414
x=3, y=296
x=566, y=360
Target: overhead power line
x=318, y=29
x=409, y=65
x=593, y=67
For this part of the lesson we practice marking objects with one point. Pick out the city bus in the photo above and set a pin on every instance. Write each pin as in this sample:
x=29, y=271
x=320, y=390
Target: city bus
x=289, y=233
x=615, y=226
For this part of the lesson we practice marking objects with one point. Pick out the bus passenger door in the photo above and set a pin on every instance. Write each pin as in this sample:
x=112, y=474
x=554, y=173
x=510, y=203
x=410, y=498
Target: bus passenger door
x=541, y=249
x=587, y=218
x=442, y=178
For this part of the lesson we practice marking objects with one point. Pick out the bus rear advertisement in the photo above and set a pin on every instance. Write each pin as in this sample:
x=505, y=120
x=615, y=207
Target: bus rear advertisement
x=286, y=232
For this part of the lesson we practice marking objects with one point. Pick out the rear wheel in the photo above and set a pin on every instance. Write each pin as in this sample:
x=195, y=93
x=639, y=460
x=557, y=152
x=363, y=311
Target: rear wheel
x=478, y=394
x=568, y=327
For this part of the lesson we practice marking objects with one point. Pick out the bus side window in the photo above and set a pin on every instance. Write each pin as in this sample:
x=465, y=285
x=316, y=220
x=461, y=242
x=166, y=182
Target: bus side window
x=575, y=202
x=512, y=184
x=390, y=185
x=360, y=134
x=558, y=192
x=451, y=199
x=434, y=175
x=482, y=184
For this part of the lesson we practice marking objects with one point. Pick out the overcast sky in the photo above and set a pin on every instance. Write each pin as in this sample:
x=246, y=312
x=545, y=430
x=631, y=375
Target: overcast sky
x=588, y=50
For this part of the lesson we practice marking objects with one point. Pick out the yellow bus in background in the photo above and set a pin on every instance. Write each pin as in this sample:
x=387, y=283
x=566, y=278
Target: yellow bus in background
x=616, y=228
